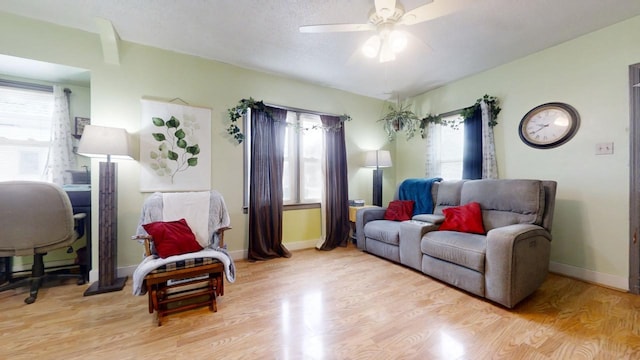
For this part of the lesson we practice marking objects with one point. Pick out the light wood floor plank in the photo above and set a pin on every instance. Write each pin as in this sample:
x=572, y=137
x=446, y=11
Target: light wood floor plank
x=341, y=304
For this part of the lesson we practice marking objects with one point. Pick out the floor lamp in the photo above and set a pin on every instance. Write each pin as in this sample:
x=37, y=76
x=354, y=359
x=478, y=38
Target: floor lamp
x=100, y=141
x=377, y=159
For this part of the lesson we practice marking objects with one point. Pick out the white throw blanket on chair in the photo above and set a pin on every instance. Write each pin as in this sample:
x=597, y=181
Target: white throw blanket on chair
x=205, y=213
x=191, y=206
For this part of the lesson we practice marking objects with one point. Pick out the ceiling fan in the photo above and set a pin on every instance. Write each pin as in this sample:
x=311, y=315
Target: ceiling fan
x=383, y=18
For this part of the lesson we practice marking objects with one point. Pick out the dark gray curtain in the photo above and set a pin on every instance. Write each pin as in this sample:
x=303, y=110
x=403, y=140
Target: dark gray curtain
x=472, y=154
x=265, y=193
x=335, y=186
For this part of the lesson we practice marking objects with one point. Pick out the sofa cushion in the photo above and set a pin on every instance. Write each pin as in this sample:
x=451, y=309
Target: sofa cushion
x=399, y=210
x=465, y=218
x=462, y=249
x=520, y=201
x=386, y=231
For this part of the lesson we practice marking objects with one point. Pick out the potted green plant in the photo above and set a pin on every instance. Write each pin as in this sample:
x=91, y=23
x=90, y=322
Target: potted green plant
x=400, y=118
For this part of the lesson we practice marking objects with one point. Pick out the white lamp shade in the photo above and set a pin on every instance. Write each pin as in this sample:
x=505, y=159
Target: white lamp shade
x=100, y=141
x=378, y=159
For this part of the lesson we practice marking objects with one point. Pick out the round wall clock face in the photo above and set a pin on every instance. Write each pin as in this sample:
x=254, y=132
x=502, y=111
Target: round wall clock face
x=549, y=125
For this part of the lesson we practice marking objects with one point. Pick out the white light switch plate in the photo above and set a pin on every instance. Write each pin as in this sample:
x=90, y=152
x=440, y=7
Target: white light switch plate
x=604, y=148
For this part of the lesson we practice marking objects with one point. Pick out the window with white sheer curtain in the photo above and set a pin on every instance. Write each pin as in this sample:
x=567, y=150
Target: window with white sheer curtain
x=445, y=147
x=25, y=132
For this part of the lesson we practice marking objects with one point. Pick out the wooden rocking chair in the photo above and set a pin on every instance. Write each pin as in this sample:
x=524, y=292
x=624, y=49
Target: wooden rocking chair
x=186, y=283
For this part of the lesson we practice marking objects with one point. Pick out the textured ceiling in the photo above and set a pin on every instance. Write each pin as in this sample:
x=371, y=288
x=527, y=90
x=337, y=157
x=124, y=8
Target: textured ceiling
x=263, y=35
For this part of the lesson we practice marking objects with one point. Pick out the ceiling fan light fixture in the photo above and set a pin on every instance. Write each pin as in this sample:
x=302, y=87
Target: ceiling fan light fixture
x=397, y=41
x=386, y=51
x=371, y=47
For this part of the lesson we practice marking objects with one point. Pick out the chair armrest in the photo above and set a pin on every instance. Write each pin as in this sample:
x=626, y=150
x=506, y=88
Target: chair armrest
x=221, y=235
x=79, y=224
x=363, y=216
x=79, y=216
x=516, y=262
x=147, y=242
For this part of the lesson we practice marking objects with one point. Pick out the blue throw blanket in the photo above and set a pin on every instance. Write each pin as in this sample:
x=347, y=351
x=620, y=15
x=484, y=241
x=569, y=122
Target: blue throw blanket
x=418, y=190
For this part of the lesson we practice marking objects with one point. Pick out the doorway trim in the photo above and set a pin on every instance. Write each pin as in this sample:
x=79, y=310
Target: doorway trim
x=634, y=181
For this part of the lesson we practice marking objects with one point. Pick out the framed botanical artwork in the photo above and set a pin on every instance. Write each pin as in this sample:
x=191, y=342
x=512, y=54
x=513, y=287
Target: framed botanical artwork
x=175, y=147
x=81, y=122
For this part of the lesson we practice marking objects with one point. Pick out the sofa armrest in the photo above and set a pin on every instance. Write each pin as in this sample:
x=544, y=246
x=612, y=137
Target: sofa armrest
x=363, y=216
x=430, y=218
x=411, y=233
x=516, y=263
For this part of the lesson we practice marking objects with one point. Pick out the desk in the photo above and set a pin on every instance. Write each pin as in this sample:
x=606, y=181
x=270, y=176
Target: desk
x=80, y=196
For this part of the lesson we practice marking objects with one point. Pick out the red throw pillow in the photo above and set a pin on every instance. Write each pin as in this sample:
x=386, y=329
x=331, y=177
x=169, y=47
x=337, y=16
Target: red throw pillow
x=399, y=210
x=466, y=218
x=172, y=237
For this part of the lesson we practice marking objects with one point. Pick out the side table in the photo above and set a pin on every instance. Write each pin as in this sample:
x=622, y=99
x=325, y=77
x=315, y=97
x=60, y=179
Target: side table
x=353, y=210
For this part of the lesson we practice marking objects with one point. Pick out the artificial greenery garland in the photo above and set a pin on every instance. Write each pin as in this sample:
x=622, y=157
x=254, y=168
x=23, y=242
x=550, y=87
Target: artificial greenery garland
x=494, y=109
x=240, y=110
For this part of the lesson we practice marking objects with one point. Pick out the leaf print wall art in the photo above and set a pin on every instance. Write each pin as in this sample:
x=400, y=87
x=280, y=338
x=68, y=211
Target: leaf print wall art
x=175, y=147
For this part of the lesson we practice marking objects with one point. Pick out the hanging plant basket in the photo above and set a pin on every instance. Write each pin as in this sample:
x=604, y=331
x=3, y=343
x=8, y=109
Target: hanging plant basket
x=400, y=118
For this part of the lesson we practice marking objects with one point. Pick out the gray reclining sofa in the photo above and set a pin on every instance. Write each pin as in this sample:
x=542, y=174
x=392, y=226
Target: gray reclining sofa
x=505, y=265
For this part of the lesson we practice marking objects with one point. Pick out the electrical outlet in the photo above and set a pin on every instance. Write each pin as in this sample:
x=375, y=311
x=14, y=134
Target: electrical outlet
x=604, y=148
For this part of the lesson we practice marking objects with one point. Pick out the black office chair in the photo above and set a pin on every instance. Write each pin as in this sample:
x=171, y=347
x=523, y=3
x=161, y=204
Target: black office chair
x=35, y=217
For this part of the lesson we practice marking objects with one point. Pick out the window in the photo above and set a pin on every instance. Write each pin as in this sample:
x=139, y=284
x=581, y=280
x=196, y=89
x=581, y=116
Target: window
x=302, y=181
x=25, y=130
x=302, y=177
x=447, y=148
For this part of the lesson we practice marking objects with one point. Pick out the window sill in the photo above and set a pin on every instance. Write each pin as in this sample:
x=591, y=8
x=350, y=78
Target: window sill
x=290, y=207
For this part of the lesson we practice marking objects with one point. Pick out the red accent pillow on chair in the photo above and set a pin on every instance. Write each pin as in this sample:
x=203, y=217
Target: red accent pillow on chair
x=399, y=210
x=466, y=218
x=172, y=237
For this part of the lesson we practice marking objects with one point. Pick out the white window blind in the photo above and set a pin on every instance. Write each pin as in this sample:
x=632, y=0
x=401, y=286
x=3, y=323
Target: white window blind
x=25, y=128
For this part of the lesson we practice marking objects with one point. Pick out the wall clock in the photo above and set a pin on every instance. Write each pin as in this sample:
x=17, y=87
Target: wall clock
x=549, y=125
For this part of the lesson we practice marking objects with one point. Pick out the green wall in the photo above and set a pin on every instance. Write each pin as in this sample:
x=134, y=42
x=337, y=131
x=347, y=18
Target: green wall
x=590, y=229
x=591, y=73
x=148, y=72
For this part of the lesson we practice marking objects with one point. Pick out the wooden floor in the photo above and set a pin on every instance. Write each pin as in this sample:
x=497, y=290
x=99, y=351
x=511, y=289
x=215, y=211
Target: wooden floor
x=341, y=304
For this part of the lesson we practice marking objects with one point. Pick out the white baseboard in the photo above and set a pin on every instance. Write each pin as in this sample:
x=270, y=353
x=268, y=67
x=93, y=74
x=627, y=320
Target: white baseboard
x=608, y=280
x=121, y=272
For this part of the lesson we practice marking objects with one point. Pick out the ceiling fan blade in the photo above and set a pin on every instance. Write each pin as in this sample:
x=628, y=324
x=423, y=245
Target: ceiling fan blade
x=385, y=8
x=336, y=28
x=433, y=10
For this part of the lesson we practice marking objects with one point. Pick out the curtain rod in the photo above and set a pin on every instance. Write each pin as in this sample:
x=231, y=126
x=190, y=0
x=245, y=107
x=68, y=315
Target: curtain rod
x=289, y=108
x=26, y=85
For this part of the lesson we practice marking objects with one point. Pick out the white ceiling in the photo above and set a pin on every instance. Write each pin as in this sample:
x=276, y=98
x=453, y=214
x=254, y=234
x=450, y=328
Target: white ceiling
x=263, y=35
